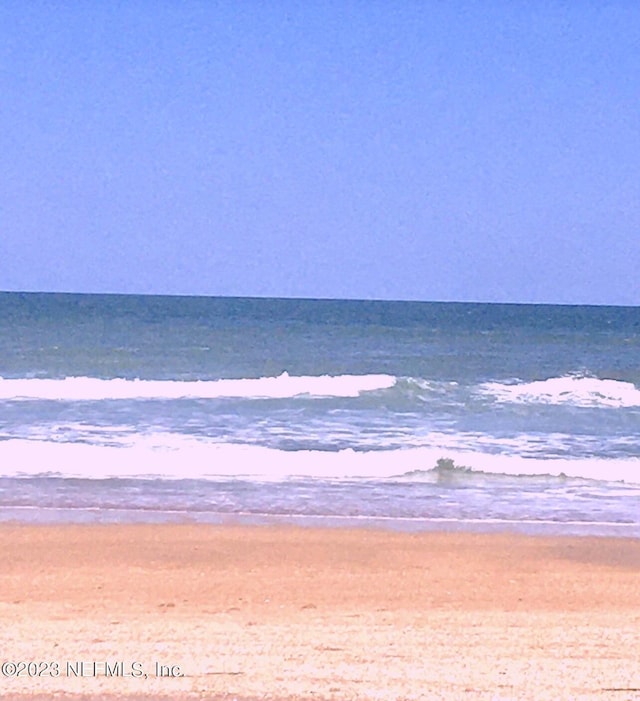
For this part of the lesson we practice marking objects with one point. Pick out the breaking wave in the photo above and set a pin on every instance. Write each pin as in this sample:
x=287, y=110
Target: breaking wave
x=573, y=389
x=283, y=386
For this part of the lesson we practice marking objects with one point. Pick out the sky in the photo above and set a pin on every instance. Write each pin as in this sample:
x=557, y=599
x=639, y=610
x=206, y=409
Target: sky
x=454, y=151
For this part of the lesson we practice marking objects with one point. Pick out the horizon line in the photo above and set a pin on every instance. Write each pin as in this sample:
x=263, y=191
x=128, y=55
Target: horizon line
x=185, y=295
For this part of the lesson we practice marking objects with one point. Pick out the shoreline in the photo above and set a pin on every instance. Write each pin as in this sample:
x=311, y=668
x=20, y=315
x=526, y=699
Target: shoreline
x=284, y=612
x=56, y=516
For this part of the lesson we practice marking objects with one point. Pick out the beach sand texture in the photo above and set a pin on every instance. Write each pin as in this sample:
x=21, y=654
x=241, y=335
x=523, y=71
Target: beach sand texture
x=306, y=613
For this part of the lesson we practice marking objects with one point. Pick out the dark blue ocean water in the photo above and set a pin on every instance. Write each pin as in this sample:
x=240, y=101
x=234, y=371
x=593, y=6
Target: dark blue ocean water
x=134, y=408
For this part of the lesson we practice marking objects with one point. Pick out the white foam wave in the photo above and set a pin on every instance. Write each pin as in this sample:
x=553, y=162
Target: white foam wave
x=283, y=386
x=575, y=390
x=175, y=456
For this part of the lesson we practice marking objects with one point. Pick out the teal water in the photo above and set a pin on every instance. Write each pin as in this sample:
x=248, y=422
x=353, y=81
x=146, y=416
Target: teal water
x=429, y=412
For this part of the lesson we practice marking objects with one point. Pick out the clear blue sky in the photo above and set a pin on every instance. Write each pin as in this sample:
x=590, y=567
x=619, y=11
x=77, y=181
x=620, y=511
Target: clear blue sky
x=480, y=151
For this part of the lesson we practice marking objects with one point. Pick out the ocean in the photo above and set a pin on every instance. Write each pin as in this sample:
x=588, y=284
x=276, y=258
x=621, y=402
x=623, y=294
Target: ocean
x=410, y=415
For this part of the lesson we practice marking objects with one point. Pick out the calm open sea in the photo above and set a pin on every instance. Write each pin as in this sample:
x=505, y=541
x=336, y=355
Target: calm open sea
x=417, y=415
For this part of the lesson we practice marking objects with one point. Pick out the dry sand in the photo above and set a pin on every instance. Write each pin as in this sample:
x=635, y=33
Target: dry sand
x=284, y=613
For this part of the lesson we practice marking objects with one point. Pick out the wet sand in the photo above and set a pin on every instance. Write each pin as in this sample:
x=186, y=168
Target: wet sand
x=204, y=612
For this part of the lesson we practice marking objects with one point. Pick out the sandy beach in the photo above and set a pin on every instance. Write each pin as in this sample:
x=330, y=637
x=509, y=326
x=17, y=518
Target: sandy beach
x=293, y=613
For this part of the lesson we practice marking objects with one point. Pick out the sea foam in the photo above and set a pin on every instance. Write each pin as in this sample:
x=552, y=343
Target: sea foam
x=175, y=456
